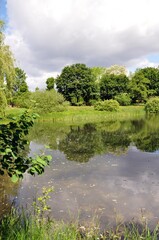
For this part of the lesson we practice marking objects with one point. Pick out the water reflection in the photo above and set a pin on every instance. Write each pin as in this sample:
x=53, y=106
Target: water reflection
x=98, y=169
x=80, y=143
x=8, y=192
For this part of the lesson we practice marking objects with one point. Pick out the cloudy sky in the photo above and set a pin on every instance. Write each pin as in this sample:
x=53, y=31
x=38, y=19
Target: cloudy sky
x=46, y=35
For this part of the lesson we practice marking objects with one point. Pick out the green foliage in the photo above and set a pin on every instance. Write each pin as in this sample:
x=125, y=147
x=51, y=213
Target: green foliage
x=152, y=105
x=107, y=105
x=41, y=206
x=3, y=103
x=20, y=85
x=12, y=146
x=22, y=100
x=152, y=74
x=112, y=85
x=77, y=84
x=123, y=99
x=50, y=83
x=7, y=71
x=139, y=88
x=21, y=225
x=48, y=101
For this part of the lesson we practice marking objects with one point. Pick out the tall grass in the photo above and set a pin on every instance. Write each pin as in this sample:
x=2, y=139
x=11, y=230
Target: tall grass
x=23, y=226
x=88, y=114
x=81, y=114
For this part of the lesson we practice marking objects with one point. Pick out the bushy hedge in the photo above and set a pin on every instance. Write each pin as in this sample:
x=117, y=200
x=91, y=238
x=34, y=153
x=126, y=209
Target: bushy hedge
x=107, y=105
x=152, y=105
x=123, y=99
x=48, y=101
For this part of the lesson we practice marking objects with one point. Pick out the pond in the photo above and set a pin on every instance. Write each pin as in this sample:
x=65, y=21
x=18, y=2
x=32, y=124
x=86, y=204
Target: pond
x=108, y=170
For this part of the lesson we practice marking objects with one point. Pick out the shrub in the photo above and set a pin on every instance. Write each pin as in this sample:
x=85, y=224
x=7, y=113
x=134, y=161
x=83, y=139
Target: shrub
x=22, y=100
x=107, y=105
x=123, y=99
x=152, y=105
x=48, y=101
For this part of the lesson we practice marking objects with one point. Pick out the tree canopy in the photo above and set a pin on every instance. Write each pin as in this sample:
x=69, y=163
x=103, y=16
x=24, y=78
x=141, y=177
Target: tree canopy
x=20, y=85
x=77, y=84
x=112, y=85
x=7, y=71
x=50, y=83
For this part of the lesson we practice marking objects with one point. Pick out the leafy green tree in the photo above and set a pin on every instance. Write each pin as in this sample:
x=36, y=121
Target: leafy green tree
x=50, y=83
x=20, y=89
x=20, y=85
x=112, y=85
x=98, y=72
x=139, y=89
x=77, y=84
x=7, y=70
x=152, y=74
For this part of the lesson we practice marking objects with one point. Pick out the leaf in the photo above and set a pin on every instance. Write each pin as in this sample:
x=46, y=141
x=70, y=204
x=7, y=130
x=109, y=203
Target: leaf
x=49, y=157
x=14, y=178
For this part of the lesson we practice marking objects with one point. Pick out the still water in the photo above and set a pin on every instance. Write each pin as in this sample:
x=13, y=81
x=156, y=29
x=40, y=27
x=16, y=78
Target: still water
x=106, y=169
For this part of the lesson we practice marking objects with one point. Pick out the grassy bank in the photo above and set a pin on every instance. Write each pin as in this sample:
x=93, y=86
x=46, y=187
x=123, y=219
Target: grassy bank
x=29, y=227
x=88, y=114
x=83, y=114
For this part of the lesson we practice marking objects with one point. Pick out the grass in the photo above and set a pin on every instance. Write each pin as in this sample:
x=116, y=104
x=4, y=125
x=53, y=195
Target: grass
x=82, y=114
x=85, y=114
x=23, y=226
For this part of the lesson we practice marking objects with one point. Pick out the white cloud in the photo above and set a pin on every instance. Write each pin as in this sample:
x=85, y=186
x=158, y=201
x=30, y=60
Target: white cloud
x=45, y=35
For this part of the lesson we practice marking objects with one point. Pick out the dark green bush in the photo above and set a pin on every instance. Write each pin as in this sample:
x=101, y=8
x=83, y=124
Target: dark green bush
x=107, y=105
x=123, y=99
x=152, y=105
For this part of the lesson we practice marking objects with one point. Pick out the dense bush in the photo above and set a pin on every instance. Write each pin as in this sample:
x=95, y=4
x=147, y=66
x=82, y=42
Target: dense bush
x=48, y=101
x=123, y=99
x=22, y=100
x=107, y=105
x=152, y=105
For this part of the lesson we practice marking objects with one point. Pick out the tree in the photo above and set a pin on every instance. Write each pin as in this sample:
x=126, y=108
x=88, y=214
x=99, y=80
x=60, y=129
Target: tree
x=77, y=84
x=138, y=86
x=7, y=71
x=21, y=93
x=98, y=72
x=152, y=74
x=112, y=85
x=50, y=83
x=116, y=70
x=20, y=85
